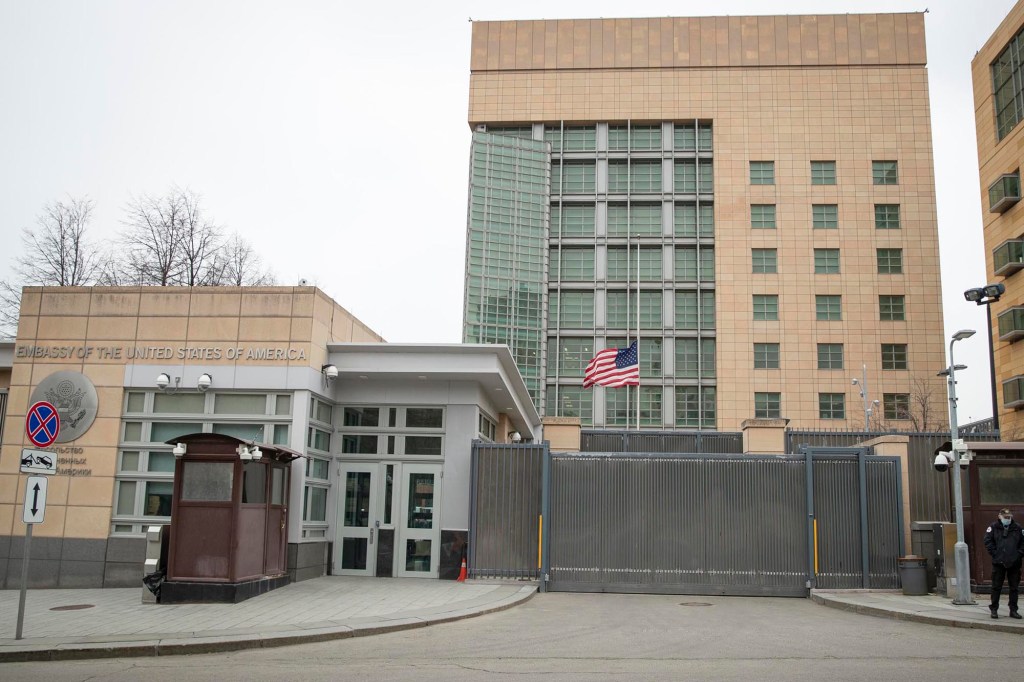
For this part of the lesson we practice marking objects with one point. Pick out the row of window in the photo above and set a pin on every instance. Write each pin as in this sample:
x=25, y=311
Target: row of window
x=824, y=216
x=634, y=219
x=1008, y=86
x=688, y=137
x=768, y=405
x=575, y=309
x=826, y=261
x=830, y=356
x=828, y=307
x=695, y=406
x=690, y=176
x=824, y=172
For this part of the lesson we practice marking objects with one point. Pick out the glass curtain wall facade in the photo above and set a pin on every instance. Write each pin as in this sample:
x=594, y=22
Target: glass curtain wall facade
x=630, y=254
x=506, y=250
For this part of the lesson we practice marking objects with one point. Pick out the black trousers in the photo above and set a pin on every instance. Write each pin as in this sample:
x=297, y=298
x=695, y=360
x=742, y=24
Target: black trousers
x=1012, y=576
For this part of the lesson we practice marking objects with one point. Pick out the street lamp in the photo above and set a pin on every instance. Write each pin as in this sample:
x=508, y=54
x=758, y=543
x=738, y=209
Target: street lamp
x=985, y=296
x=961, y=558
x=863, y=383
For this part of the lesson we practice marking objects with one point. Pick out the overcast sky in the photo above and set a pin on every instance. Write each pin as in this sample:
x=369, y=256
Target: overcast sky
x=333, y=135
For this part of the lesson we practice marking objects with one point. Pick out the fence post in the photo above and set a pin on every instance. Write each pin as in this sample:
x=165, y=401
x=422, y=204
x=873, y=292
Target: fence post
x=865, y=559
x=545, y=515
x=474, y=484
x=812, y=577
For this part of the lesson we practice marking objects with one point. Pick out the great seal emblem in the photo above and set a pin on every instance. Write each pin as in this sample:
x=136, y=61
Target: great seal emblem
x=74, y=396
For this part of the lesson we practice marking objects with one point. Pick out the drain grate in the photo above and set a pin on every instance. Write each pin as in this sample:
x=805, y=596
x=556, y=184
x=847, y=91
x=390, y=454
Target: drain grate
x=695, y=603
x=72, y=607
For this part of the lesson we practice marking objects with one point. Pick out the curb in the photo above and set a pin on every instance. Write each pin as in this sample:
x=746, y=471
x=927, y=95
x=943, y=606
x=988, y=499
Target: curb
x=915, y=617
x=176, y=646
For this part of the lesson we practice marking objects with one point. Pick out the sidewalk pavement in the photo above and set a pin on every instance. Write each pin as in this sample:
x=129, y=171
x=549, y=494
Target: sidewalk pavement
x=63, y=624
x=932, y=608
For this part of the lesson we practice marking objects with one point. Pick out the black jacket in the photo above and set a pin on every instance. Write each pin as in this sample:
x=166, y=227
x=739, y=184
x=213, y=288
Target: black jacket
x=1005, y=543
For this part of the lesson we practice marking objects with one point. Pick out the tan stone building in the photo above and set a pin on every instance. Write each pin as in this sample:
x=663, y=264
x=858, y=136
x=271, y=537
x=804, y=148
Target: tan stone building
x=376, y=426
x=999, y=109
x=755, y=194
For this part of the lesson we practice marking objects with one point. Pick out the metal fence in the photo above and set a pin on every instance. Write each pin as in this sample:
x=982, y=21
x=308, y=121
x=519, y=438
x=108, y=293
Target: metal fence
x=929, y=490
x=505, y=506
x=700, y=442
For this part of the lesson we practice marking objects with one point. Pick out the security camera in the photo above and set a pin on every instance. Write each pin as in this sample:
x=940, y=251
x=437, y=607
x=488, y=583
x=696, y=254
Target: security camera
x=331, y=372
x=942, y=462
x=163, y=381
x=204, y=382
x=516, y=437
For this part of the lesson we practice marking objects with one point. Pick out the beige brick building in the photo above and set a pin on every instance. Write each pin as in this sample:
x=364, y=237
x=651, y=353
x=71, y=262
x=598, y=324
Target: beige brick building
x=776, y=175
x=999, y=109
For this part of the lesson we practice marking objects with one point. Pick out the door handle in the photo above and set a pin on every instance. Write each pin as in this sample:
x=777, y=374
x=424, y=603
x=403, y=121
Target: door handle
x=371, y=534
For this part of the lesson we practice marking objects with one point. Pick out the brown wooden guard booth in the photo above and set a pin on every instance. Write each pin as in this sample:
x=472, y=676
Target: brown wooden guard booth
x=229, y=519
x=993, y=479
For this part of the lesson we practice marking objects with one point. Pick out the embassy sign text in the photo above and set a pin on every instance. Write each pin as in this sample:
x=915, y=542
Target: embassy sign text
x=275, y=353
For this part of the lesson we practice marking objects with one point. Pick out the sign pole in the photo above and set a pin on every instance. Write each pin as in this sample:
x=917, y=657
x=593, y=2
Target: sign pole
x=24, y=580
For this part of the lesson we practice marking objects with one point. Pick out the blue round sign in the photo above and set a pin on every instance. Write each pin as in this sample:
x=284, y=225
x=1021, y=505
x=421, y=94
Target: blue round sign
x=42, y=424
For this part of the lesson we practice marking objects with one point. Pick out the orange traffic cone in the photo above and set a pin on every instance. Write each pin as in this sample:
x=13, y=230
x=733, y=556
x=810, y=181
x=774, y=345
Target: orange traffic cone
x=462, y=571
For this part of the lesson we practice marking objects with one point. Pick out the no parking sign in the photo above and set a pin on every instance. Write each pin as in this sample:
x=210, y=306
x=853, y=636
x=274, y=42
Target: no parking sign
x=42, y=424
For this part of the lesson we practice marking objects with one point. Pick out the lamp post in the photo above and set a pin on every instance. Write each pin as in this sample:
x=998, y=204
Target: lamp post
x=961, y=558
x=863, y=383
x=986, y=296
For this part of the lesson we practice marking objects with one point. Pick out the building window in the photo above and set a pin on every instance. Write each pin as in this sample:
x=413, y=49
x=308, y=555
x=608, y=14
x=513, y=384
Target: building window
x=649, y=352
x=695, y=358
x=634, y=220
x=691, y=222
x=486, y=427
x=766, y=306
x=890, y=261
x=636, y=176
x=825, y=216
x=571, y=401
x=762, y=172
x=571, y=138
x=826, y=261
x=890, y=308
x=884, y=173
x=1008, y=257
x=887, y=216
x=569, y=309
x=1013, y=392
x=762, y=216
x=1007, y=80
x=693, y=176
x=832, y=406
x=315, y=492
x=766, y=356
x=572, y=264
x=894, y=356
x=689, y=138
x=765, y=261
x=693, y=264
x=896, y=405
x=1011, y=324
x=823, y=172
x=1004, y=192
x=573, y=177
x=572, y=220
x=828, y=307
x=572, y=356
x=695, y=309
x=830, y=356
x=767, y=405
x=696, y=407
x=621, y=312
x=622, y=263
x=635, y=138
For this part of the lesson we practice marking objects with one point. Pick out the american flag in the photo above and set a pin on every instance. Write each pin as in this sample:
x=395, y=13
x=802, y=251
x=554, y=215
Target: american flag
x=614, y=367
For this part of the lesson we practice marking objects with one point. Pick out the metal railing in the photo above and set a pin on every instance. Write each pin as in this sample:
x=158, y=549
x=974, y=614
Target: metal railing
x=698, y=442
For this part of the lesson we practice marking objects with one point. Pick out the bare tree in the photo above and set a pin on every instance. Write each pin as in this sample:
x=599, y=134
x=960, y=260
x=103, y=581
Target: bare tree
x=923, y=410
x=10, y=308
x=167, y=241
x=238, y=265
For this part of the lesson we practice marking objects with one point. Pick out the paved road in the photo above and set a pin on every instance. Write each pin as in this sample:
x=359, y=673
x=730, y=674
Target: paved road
x=606, y=637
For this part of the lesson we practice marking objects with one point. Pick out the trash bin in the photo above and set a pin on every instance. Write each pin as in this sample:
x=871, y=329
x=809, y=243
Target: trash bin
x=914, y=575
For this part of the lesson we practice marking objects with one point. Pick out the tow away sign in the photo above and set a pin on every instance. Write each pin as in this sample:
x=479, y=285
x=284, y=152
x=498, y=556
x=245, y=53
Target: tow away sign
x=38, y=462
x=35, y=499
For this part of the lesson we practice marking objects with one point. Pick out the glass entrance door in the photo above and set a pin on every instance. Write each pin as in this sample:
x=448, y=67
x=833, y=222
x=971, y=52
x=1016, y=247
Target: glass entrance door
x=418, y=536
x=355, y=545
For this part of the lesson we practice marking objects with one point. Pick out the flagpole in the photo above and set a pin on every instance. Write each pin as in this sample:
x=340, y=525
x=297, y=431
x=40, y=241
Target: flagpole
x=637, y=338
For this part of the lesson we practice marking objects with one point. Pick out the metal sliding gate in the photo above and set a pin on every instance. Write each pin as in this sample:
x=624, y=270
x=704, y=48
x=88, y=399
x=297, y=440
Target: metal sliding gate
x=688, y=524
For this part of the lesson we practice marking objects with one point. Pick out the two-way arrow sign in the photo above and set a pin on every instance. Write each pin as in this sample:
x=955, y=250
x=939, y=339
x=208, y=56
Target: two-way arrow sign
x=35, y=499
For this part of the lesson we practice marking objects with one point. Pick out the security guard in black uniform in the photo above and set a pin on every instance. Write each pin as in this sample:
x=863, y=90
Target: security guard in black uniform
x=1004, y=541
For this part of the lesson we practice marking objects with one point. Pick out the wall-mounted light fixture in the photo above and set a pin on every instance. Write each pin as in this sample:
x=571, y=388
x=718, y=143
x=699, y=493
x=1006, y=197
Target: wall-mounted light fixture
x=204, y=382
x=179, y=450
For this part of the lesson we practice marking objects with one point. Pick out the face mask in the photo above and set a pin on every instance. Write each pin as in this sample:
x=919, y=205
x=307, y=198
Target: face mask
x=1006, y=522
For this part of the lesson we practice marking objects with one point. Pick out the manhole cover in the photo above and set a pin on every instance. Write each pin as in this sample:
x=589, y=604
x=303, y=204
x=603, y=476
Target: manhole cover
x=72, y=607
x=695, y=603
